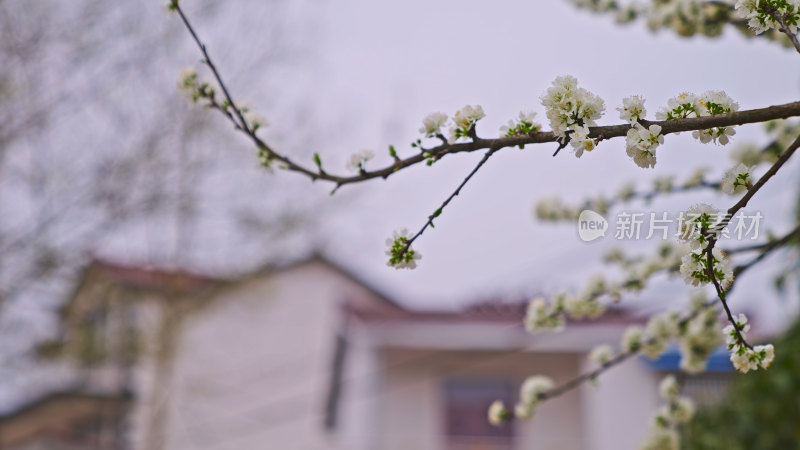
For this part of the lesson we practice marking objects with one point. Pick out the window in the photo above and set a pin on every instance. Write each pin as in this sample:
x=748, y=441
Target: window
x=466, y=405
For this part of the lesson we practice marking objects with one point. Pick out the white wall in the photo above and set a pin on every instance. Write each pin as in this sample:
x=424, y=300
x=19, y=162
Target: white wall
x=617, y=410
x=253, y=369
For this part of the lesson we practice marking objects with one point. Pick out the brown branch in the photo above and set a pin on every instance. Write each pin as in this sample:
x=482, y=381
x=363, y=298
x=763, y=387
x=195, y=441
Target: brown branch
x=751, y=191
x=772, y=11
x=601, y=132
x=712, y=239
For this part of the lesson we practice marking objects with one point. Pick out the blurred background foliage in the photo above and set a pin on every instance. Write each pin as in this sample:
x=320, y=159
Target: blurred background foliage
x=762, y=410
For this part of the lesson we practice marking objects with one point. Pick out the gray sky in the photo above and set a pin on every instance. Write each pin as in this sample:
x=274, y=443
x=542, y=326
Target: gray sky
x=387, y=64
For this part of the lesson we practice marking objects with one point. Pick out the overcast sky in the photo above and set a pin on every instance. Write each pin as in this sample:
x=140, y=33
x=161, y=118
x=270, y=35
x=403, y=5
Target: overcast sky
x=385, y=65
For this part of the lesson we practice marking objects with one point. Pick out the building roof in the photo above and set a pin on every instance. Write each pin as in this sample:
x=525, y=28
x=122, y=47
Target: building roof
x=59, y=414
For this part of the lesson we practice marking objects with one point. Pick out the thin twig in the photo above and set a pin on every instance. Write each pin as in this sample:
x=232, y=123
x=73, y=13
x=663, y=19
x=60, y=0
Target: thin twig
x=447, y=201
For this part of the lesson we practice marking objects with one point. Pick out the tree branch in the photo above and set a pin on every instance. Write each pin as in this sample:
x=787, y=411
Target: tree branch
x=784, y=29
x=601, y=132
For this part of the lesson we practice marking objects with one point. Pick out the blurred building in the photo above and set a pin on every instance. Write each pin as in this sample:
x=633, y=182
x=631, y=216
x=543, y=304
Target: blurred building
x=310, y=357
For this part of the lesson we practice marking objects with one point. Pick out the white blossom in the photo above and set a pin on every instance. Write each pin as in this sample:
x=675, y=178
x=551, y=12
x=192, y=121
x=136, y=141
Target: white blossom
x=524, y=125
x=497, y=413
x=632, y=339
x=358, y=160
x=397, y=258
x=736, y=180
x=759, y=18
x=641, y=144
x=687, y=105
x=601, y=354
x=581, y=307
x=729, y=331
x=745, y=359
x=681, y=106
x=694, y=220
x=432, y=124
x=571, y=109
x=255, y=120
x=668, y=389
x=694, y=268
x=767, y=355
x=532, y=387
x=463, y=121
x=632, y=109
x=540, y=316
x=580, y=141
x=681, y=410
x=698, y=339
x=660, y=329
x=188, y=83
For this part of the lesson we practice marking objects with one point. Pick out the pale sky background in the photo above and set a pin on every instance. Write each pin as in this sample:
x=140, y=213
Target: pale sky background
x=387, y=64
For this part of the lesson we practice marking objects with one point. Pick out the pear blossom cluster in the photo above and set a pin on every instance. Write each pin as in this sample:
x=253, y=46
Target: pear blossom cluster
x=544, y=315
x=357, y=162
x=736, y=180
x=554, y=209
x=571, y=111
x=696, y=337
x=687, y=104
x=678, y=410
x=660, y=330
x=464, y=121
x=632, y=109
x=551, y=315
x=697, y=223
x=744, y=358
x=700, y=336
x=529, y=395
x=761, y=14
x=523, y=126
x=694, y=268
x=641, y=144
x=685, y=17
x=401, y=255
